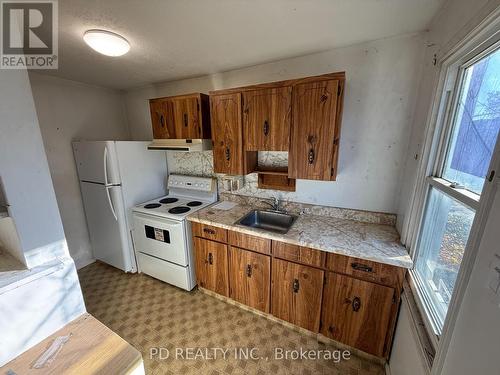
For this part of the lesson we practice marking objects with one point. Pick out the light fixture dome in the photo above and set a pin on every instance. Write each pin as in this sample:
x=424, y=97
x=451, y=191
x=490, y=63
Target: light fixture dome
x=106, y=42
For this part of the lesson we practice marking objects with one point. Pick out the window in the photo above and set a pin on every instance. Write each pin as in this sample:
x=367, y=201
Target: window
x=453, y=190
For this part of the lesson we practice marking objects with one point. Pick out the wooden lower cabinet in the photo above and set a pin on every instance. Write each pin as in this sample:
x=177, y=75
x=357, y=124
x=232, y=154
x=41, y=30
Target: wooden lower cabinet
x=211, y=261
x=250, y=278
x=296, y=293
x=356, y=312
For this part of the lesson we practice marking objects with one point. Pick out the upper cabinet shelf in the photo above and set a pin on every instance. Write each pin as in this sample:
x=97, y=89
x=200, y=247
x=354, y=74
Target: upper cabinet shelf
x=301, y=116
x=181, y=117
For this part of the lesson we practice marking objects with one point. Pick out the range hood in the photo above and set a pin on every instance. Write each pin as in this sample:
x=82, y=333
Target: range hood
x=185, y=145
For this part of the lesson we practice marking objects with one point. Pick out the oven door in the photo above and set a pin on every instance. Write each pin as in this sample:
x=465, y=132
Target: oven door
x=161, y=238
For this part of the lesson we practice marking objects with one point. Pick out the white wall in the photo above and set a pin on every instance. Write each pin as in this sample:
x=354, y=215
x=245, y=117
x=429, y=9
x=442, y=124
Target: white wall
x=475, y=344
x=67, y=111
x=25, y=172
x=382, y=79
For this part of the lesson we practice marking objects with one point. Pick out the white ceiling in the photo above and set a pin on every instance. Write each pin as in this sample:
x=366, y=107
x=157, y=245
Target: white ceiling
x=174, y=39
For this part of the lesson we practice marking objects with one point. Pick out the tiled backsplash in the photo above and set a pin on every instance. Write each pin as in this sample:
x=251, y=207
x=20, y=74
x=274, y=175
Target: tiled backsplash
x=201, y=164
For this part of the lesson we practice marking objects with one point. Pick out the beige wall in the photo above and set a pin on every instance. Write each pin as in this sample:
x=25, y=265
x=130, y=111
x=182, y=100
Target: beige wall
x=67, y=111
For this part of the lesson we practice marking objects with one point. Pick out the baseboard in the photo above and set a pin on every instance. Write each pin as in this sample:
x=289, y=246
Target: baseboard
x=83, y=262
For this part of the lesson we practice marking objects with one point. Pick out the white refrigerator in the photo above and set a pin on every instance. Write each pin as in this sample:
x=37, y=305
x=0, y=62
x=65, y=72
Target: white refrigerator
x=115, y=176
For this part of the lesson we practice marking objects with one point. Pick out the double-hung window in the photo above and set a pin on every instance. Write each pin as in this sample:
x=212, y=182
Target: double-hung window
x=465, y=144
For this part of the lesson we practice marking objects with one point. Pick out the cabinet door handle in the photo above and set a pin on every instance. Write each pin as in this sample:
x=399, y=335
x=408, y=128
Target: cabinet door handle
x=310, y=156
x=185, y=120
x=266, y=128
x=249, y=270
x=210, y=258
x=162, y=121
x=356, y=304
x=209, y=231
x=361, y=267
x=296, y=285
x=227, y=152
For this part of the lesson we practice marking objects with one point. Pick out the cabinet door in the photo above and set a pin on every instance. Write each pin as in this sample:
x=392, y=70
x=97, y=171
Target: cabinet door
x=186, y=118
x=356, y=312
x=211, y=265
x=313, y=130
x=227, y=134
x=266, y=119
x=296, y=294
x=162, y=119
x=249, y=278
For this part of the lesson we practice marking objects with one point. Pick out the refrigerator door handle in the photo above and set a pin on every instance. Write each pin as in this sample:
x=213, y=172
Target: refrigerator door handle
x=111, y=203
x=105, y=162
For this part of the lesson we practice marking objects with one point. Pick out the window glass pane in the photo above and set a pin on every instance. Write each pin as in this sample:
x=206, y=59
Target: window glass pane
x=476, y=124
x=445, y=231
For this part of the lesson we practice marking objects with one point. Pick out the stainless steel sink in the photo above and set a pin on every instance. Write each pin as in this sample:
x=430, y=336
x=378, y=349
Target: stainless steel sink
x=273, y=221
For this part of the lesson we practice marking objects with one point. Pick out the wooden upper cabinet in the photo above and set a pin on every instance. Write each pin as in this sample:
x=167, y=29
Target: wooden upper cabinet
x=227, y=138
x=181, y=117
x=250, y=278
x=296, y=293
x=315, y=133
x=357, y=313
x=266, y=119
x=162, y=119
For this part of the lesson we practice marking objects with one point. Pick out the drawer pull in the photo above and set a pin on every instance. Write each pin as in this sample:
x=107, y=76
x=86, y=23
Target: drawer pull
x=296, y=285
x=227, y=154
x=310, y=156
x=210, y=258
x=249, y=270
x=208, y=230
x=361, y=267
x=356, y=304
x=185, y=120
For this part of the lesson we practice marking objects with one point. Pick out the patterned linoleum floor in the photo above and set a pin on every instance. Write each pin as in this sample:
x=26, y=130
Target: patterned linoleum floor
x=150, y=314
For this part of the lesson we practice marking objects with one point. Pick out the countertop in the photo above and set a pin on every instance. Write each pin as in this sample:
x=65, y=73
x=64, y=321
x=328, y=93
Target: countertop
x=374, y=242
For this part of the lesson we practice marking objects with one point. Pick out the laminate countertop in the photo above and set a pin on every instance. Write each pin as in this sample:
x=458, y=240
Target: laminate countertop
x=364, y=240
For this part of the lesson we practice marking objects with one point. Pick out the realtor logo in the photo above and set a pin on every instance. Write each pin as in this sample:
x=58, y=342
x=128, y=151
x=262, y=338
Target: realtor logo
x=29, y=35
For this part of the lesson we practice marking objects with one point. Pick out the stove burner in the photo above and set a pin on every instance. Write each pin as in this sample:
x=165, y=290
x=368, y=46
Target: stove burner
x=168, y=200
x=179, y=210
x=194, y=203
x=152, y=205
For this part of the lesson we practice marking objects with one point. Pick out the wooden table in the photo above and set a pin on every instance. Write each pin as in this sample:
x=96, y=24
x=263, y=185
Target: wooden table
x=92, y=349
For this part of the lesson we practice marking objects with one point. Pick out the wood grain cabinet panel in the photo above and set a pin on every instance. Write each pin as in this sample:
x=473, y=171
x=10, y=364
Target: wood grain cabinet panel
x=187, y=118
x=299, y=254
x=313, y=131
x=249, y=242
x=211, y=261
x=296, y=293
x=162, y=118
x=227, y=134
x=356, y=312
x=266, y=119
x=209, y=232
x=364, y=269
x=250, y=278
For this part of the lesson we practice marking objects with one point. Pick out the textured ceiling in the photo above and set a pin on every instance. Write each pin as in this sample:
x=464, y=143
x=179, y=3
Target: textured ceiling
x=174, y=39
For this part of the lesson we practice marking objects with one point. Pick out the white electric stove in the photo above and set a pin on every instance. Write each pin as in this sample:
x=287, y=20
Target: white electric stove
x=162, y=235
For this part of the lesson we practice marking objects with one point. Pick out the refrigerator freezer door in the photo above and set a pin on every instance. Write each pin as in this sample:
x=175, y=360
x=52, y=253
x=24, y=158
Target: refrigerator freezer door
x=108, y=235
x=96, y=162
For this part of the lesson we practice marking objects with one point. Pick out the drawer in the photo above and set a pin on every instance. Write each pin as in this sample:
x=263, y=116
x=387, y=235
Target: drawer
x=248, y=242
x=209, y=231
x=365, y=269
x=299, y=254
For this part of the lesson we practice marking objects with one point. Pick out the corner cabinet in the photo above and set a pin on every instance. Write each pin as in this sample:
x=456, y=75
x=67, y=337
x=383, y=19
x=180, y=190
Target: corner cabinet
x=350, y=300
x=301, y=116
x=181, y=117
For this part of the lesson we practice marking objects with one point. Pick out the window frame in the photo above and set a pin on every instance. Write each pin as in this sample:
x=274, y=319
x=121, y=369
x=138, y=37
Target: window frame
x=480, y=42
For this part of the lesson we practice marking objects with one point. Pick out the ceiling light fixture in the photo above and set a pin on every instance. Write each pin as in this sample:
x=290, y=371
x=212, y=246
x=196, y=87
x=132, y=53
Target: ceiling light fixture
x=106, y=42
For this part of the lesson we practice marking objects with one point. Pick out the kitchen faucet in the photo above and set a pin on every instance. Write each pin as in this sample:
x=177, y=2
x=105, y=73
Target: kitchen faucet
x=275, y=204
